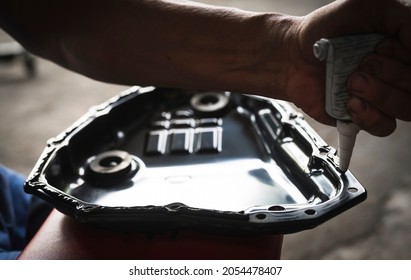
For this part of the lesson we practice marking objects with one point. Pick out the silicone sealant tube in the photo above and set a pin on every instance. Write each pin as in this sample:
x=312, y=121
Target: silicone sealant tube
x=342, y=56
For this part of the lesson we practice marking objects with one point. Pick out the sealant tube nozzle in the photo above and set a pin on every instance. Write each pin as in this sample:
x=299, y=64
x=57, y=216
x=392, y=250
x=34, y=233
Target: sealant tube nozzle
x=347, y=134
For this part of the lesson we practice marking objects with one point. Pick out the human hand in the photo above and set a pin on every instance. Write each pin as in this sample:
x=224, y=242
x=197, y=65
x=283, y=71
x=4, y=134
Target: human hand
x=380, y=91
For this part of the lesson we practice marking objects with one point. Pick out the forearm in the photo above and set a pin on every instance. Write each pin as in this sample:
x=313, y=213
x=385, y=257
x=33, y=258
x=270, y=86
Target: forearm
x=163, y=43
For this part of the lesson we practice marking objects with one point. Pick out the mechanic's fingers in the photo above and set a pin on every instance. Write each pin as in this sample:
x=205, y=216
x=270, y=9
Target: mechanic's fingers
x=380, y=92
x=394, y=49
x=389, y=70
x=369, y=118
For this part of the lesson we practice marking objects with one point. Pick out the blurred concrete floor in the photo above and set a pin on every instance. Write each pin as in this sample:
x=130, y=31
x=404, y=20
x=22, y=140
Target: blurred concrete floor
x=34, y=110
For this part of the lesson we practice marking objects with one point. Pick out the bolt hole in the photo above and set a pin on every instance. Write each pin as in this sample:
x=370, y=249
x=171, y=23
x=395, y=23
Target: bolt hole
x=352, y=190
x=209, y=100
x=261, y=216
x=310, y=212
x=276, y=208
x=110, y=161
x=111, y=168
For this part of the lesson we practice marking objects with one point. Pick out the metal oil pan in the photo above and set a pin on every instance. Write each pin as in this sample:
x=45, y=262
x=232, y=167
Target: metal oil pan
x=154, y=159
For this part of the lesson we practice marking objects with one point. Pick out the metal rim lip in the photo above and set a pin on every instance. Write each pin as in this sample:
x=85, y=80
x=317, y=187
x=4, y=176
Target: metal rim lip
x=208, y=102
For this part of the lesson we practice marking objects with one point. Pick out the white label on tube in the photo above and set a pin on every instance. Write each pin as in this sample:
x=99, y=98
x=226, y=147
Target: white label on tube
x=342, y=55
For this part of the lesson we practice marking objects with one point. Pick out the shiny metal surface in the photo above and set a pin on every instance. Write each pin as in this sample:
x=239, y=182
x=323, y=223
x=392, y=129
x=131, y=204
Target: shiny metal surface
x=159, y=159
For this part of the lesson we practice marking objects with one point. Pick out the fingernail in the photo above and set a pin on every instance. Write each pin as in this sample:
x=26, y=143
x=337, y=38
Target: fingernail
x=355, y=106
x=358, y=82
x=372, y=67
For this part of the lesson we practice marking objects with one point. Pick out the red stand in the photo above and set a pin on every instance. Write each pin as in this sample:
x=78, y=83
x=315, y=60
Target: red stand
x=62, y=237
